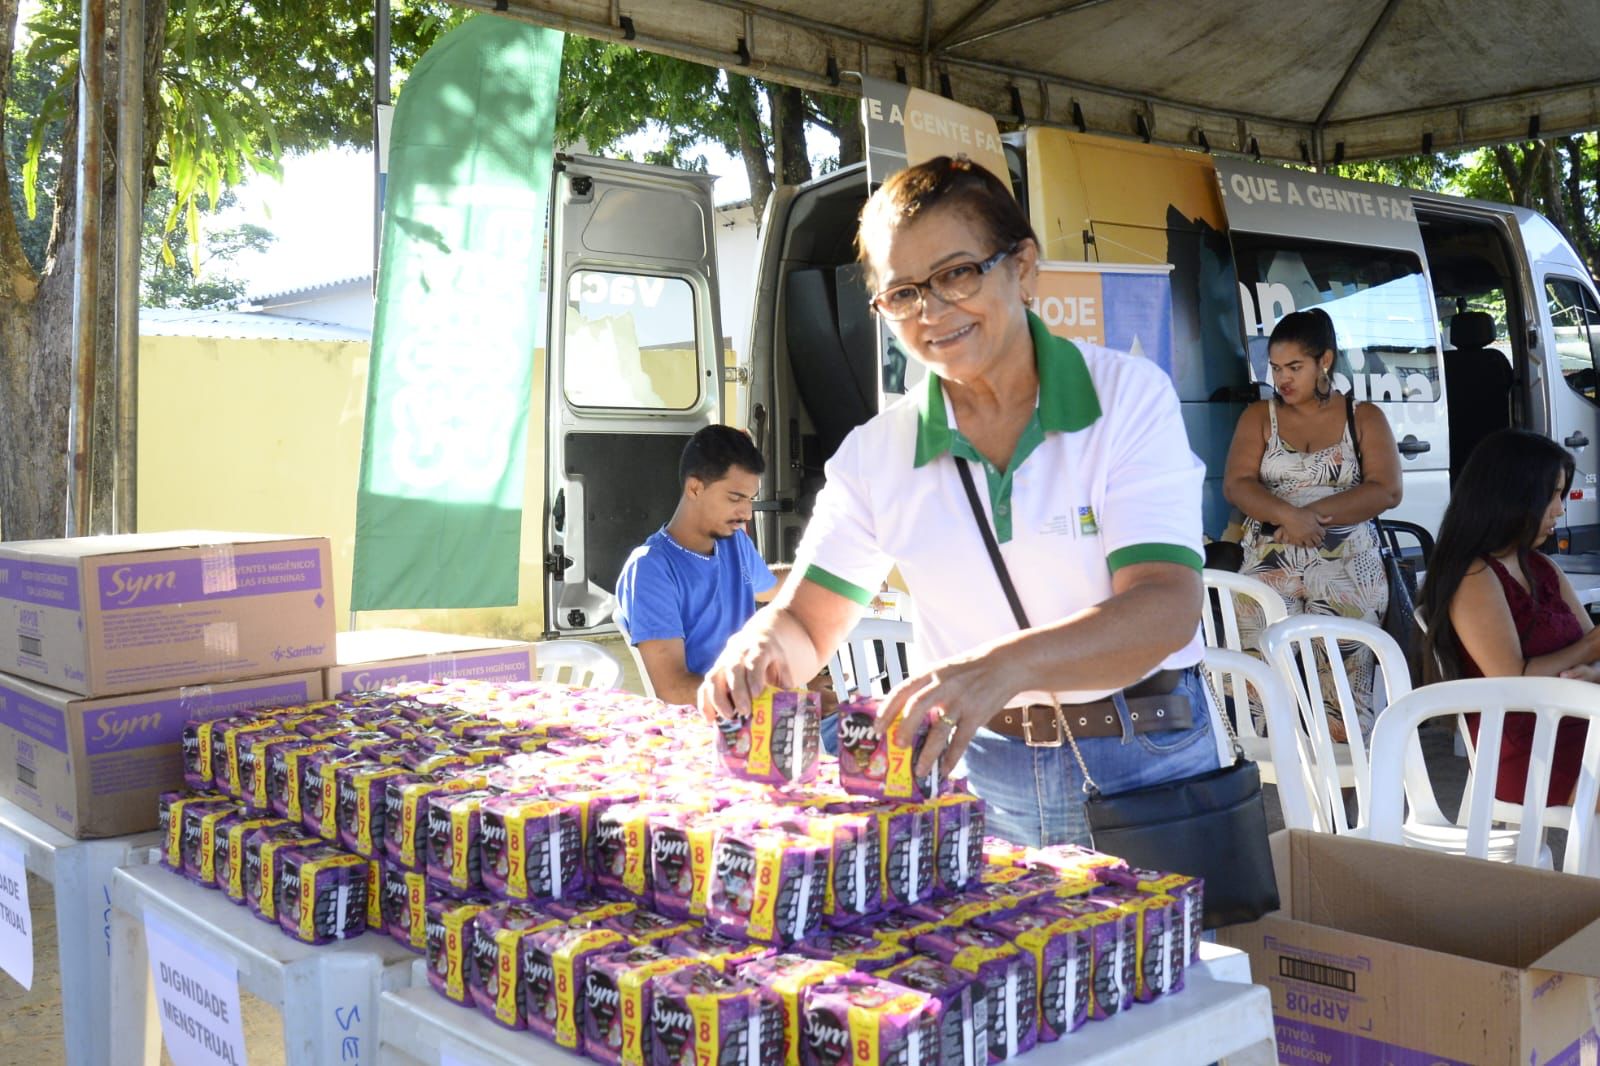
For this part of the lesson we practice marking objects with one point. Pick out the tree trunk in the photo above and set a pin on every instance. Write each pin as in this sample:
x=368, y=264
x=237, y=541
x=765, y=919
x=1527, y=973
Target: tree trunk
x=1521, y=174
x=36, y=335
x=791, y=162
x=752, y=145
x=852, y=136
x=1582, y=225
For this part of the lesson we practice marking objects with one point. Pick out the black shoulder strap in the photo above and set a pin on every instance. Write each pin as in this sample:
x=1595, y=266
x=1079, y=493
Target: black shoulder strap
x=1355, y=440
x=994, y=548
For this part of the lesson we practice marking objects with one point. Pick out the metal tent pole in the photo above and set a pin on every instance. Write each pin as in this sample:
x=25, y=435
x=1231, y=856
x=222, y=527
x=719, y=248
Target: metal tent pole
x=130, y=230
x=86, y=268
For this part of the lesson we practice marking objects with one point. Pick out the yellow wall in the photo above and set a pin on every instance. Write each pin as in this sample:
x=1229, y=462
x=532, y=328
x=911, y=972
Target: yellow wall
x=265, y=436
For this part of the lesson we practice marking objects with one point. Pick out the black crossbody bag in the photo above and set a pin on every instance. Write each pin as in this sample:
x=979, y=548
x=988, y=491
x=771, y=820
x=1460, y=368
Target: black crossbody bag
x=1212, y=826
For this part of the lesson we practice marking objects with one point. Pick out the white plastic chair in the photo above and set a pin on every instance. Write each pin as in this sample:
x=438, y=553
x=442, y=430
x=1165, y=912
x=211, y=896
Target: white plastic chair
x=638, y=664
x=1400, y=777
x=1292, y=646
x=1238, y=676
x=869, y=661
x=586, y=664
x=1222, y=588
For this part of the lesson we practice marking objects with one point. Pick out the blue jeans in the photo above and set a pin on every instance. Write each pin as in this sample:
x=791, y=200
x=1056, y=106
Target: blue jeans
x=1034, y=796
x=830, y=734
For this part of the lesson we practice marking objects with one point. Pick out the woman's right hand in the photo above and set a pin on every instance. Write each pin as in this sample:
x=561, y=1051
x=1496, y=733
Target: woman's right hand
x=1302, y=528
x=753, y=659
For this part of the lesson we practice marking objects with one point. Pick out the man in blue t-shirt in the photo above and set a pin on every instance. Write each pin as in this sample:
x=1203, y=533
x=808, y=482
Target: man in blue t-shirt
x=694, y=583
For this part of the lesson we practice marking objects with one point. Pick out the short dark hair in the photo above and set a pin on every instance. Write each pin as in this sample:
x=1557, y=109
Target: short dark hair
x=714, y=449
x=958, y=182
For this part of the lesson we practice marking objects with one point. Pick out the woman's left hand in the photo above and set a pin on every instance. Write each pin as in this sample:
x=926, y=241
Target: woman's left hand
x=1583, y=672
x=956, y=697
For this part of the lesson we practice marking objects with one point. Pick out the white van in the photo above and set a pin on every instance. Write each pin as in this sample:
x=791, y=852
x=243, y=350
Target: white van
x=1454, y=316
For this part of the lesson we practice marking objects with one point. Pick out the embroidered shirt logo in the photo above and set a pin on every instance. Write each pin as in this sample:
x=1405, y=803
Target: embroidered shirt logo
x=1086, y=523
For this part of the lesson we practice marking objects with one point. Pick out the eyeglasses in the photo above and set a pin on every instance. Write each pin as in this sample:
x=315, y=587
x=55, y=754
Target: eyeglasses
x=960, y=281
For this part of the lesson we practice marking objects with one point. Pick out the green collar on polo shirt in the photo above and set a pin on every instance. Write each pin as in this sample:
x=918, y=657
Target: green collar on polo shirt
x=1067, y=400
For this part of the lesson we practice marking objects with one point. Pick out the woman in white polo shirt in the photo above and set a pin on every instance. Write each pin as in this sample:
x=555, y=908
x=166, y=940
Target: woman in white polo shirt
x=1084, y=476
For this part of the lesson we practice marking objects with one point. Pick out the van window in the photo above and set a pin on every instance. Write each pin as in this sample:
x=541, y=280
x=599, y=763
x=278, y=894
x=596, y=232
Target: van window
x=1378, y=299
x=1577, y=325
x=631, y=342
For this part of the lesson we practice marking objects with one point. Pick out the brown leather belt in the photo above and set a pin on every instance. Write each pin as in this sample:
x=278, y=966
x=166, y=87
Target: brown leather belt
x=1152, y=707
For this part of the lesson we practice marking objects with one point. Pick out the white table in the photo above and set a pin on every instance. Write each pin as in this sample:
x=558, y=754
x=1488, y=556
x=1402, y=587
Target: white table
x=80, y=871
x=328, y=995
x=1215, y=1017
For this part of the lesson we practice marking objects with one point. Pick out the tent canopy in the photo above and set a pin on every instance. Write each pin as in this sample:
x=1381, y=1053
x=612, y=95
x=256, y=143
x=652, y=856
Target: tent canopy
x=1323, y=80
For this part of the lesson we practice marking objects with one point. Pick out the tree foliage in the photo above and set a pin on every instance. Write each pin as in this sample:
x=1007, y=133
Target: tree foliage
x=1558, y=177
x=228, y=89
x=612, y=92
x=198, y=275
x=240, y=86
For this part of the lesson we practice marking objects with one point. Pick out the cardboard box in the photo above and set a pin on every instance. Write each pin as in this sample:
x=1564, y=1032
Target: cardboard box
x=134, y=613
x=376, y=658
x=94, y=767
x=1391, y=955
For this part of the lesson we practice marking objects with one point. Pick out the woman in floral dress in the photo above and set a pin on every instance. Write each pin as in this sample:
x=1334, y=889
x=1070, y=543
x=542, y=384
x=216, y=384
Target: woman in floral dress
x=1310, y=490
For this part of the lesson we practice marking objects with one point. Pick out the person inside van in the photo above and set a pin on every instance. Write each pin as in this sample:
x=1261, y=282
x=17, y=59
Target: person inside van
x=1065, y=463
x=1497, y=607
x=1311, y=469
x=695, y=581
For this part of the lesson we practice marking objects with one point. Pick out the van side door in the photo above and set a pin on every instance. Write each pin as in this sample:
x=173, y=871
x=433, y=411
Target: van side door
x=633, y=370
x=1355, y=249
x=1571, y=318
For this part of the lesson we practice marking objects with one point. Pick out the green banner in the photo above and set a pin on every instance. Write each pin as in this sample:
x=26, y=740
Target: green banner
x=439, y=507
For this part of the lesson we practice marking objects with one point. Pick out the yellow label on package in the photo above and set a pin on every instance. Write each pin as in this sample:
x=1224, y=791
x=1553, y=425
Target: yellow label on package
x=203, y=757
x=636, y=855
x=208, y=844
x=863, y=1037
x=969, y=959
x=233, y=840
x=760, y=760
x=631, y=986
x=455, y=949
x=233, y=737
x=269, y=887
x=292, y=758
x=899, y=777
x=256, y=749
x=702, y=841
x=374, y=894
x=789, y=988
x=703, y=1007
x=763, y=909
x=328, y=772
x=416, y=793
x=417, y=896
x=460, y=822
x=507, y=943
x=567, y=990
x=365, y=815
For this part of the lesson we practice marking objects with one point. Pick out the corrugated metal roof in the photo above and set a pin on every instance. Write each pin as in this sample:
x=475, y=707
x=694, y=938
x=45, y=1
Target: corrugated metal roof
x=241, y=325
x=277, y=295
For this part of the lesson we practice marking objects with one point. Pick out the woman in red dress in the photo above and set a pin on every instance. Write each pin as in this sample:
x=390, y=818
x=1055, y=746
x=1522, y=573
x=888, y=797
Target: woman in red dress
x=1497, y=607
